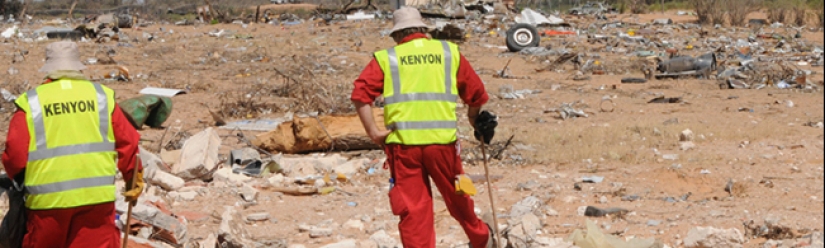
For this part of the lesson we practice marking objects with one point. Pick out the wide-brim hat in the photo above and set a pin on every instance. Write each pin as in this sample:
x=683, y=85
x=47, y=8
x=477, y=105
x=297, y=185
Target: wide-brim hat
x=406, y=17
x=62, y=56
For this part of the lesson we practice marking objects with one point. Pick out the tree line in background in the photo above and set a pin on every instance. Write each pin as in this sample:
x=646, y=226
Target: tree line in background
x=732, y=12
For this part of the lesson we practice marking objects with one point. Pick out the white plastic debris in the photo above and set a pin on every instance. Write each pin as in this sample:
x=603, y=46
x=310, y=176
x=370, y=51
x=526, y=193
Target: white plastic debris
x=532, y=17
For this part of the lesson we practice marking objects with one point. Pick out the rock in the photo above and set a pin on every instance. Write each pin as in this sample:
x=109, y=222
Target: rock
x=383, y=239
x=709, y=237
x=225, y=175
x=549, y=211
x=171, y=158
x=199, y=155
x=686, y=135
x=145, y=232
x=544, y=242
x=686, y=145
x=230, y=232
x=183, y=196
x=209, y=241
x=529, y=204
x=248, y=193
x=257, y=217
x=295, y=165
x=670, y=156
x=318, y=232
x=169, y=226
x=349, y=243
x=297, y=246
x=603, y=199
x=276, y=181
x=349, y=169
x=166, y=180
x=367, y=244
x=354, y=224
x=530, y=224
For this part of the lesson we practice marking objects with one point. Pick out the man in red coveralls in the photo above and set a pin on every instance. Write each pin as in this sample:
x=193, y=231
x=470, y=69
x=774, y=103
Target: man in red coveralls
x=65, y=144
x=420, y=80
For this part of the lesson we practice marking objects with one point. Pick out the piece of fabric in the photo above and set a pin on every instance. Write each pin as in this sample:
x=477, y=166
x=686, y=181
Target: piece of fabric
x=81, y=227
x=69, y=123
x=412, y=167
x=370, y=84
x=17, y=144
x=420, y=92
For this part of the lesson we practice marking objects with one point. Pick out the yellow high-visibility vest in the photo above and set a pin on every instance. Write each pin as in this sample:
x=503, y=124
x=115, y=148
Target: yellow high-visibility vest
x=72, y=146
x=420, y=91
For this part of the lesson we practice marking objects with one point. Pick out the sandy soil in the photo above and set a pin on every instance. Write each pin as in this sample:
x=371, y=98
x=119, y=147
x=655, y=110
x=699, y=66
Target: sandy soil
x=625, y=145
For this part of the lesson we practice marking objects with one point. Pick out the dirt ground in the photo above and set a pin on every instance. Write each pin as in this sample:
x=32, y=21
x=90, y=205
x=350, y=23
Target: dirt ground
x=769, y=142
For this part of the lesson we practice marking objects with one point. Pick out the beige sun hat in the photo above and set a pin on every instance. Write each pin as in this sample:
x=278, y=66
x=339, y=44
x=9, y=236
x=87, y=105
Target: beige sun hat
x=62, y=56
x=406, y=17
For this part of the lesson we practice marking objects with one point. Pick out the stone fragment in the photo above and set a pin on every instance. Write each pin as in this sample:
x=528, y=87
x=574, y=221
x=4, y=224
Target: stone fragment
x=166, y=180
x=169, y=226
x=225, y=175
x=686, y=135
x=710, y=237
x=171, y=158
x=257, y=217
x=276, y=181
x=354, y=224
x=686, y=145
x=248, y=193
x=318, y=232
x=183, y=196
x=349, y=243
x=199, y=155
x=383, y=239
x=230, y=232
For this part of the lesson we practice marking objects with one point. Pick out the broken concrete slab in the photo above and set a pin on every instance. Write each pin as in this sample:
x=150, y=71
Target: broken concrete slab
x=167, y=226
x=199, y=156
x=257, y=217
x=383, y=239
x=225, y=175
x=230, y=232
x=248, y=193
x=707, y=237
x=349, y=243
x=166, y=180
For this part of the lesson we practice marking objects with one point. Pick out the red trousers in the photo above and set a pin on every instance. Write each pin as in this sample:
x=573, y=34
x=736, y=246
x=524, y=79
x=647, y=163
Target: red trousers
x=411, y=199
x=83, y=227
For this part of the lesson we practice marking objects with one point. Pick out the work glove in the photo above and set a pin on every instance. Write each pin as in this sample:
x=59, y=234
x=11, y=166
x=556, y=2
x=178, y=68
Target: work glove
x=485, y=127
x=134, y=189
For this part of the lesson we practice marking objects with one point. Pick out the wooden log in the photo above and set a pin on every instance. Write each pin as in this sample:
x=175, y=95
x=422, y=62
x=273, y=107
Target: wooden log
x=324, y=133
x=257, y=14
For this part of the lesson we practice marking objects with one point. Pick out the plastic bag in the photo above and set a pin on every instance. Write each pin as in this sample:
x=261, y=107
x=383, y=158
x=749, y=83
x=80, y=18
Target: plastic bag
x=594, y=238
x=147, y=109
x=13, y=227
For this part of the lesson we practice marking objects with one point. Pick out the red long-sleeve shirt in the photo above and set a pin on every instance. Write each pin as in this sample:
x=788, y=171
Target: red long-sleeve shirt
x=370, y=84
x=16, y=154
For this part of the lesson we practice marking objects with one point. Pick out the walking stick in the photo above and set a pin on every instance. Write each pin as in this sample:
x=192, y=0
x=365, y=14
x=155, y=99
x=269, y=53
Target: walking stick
x=129, y=210
x=490, y=193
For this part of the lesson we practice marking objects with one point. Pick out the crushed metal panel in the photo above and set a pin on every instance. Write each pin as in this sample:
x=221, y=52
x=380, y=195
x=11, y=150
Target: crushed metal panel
x=161, y=91
x=534, y=18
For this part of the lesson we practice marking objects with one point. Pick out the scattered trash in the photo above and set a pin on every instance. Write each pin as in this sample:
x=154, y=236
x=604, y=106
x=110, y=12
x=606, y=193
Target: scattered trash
x=161, y=91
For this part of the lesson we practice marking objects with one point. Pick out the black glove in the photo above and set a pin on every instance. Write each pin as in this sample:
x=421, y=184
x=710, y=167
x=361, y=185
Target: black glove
x=485, y=126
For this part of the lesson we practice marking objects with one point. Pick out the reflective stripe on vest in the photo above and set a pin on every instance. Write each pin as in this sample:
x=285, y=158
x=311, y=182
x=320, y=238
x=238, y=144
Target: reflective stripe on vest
x=42, y=152
x=419, y=111
x=397, y=97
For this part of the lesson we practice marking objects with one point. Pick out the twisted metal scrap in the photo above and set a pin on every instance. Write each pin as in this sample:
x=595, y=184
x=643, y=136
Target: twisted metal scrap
x=567, y=111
